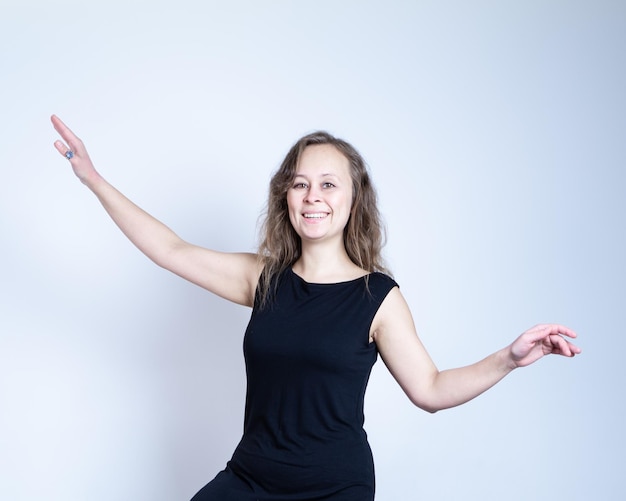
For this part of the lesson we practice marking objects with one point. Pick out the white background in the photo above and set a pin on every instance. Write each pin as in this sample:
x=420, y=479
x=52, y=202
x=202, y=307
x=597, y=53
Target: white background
x=495, y=132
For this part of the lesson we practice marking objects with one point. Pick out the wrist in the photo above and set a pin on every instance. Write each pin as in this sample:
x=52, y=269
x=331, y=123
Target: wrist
x=507, y=361
x=92, y=180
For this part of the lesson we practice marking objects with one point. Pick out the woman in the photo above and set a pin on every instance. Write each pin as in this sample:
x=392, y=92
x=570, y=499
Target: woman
x=323, y=308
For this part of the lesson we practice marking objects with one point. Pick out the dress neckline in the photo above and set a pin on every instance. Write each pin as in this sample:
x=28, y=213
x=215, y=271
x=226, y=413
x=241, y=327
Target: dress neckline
x=322, y=284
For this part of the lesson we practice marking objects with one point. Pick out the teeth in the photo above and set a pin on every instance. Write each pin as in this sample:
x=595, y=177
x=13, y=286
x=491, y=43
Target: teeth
x=315, y=216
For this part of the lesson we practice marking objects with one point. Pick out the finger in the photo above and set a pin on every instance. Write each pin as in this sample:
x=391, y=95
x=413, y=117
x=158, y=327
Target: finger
x=59, y=126
x=564, y=346
x=560, y=346
x=538, y=333
x=64, y=150
x=61, y=147
x=65, y=132
x=574, y=350
x=561, y=329
x=542, y=330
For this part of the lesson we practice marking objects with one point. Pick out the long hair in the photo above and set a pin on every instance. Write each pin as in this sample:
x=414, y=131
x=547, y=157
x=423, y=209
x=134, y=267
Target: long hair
x=364, y=235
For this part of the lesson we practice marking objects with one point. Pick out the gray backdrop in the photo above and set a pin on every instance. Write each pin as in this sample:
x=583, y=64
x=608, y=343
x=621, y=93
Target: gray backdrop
x=495, y=135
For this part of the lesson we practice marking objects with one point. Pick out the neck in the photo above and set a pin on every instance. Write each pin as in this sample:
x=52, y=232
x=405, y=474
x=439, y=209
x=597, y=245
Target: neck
x=324, y=263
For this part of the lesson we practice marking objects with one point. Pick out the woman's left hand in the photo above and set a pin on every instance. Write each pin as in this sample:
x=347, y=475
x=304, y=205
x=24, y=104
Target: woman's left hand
x=540, y=340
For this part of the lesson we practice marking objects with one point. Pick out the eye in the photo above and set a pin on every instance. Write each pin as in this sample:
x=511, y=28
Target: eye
x=299, y=185
x=328, y=185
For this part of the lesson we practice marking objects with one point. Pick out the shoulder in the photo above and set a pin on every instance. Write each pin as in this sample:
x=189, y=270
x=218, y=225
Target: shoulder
x=383, y=277
x=380, y=283
x=393, y=312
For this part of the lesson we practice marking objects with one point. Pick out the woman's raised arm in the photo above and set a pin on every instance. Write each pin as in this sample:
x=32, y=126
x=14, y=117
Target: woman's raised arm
x=232, y=276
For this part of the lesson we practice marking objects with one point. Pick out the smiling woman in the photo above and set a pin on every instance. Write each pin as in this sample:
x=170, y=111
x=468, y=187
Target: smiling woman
x=321, y=196
x=320, y=169
x=320, y=200
x=323, y=308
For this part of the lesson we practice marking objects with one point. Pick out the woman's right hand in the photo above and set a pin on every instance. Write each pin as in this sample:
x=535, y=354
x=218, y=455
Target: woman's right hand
x=79, y=158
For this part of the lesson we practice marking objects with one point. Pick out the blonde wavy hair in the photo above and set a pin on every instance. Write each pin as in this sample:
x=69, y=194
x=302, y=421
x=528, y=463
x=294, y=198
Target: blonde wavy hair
x=280, y=246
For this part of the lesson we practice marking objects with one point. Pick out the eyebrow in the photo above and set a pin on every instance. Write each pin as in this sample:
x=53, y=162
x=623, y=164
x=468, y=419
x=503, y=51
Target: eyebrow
x=327, y=174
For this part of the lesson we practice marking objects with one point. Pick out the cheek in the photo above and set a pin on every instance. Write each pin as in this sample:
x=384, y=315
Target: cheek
x=347, y=203
x=291, y=202
x=292, y=209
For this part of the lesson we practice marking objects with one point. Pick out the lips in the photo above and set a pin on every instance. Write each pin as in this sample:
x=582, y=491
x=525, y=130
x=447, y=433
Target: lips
x=315, y=215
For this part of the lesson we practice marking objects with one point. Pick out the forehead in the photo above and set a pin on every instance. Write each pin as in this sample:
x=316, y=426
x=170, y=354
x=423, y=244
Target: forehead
x=323, y=159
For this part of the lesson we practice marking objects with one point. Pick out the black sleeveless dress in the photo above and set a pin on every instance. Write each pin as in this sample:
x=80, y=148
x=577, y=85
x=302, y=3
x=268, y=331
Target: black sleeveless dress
x=308, y=361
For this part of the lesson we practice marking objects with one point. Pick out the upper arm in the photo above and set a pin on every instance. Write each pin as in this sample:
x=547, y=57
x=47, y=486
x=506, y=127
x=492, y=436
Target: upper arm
x=403, y=353
x=232, y=276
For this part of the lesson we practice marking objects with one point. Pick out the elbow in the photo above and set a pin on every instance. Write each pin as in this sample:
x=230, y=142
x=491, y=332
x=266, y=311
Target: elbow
x=167, y=256
x=426, y=396
x=430, y=407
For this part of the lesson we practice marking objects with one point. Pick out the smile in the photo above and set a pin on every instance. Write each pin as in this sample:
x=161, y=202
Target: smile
x=316, y=215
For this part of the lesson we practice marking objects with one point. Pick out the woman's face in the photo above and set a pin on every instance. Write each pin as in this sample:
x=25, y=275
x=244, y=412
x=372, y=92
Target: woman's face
x=320, y=197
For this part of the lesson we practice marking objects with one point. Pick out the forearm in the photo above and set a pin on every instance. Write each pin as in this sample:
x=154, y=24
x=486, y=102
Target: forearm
x=454, y=387
x=148, y=234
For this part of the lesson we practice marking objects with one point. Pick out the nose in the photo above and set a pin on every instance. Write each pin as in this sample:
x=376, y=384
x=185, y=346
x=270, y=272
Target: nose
x=312, y=195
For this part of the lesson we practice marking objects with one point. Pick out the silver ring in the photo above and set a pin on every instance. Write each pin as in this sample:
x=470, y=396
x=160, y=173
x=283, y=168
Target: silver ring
x=69, y=154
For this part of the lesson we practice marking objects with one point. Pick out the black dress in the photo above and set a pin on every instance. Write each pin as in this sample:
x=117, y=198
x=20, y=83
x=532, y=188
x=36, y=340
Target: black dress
x=308, y=360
